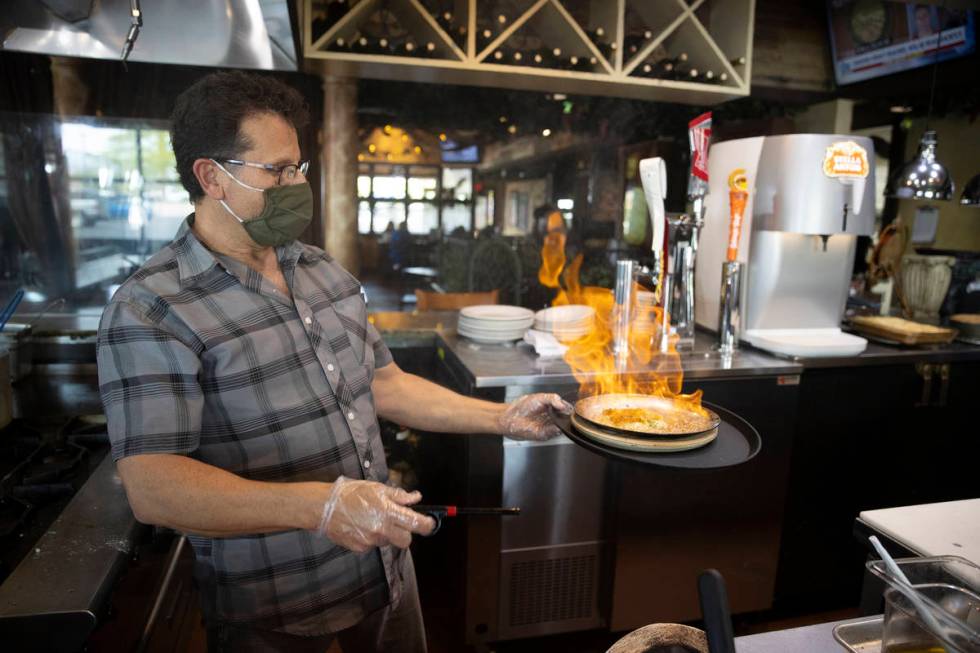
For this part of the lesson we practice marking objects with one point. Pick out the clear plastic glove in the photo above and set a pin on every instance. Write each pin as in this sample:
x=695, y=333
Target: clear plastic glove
x=529, y=418
x=361, y=515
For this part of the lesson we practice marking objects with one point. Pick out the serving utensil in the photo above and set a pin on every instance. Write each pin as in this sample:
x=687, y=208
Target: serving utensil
x=714, y=609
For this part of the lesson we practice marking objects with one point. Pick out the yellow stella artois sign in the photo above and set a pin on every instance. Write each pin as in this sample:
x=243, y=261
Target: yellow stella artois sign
x=846, y=159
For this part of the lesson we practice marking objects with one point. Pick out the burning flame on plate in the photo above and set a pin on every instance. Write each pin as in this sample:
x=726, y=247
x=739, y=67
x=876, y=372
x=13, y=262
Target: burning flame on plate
x=590, y=356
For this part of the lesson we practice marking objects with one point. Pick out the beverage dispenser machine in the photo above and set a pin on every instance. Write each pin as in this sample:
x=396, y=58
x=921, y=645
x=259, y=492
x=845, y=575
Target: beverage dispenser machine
x=811, y=196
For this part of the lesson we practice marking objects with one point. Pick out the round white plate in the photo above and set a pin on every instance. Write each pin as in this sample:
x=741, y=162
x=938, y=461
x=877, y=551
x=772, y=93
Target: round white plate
x=492, y=324
x=544, y=319
x=520, y=328
x=554, y=328
x=497, y=312
x=492, y=332
x=489, y=339
x=643, y=444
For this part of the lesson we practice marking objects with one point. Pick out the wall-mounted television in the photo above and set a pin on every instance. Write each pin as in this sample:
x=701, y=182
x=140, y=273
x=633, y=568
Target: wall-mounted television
x=871, y=38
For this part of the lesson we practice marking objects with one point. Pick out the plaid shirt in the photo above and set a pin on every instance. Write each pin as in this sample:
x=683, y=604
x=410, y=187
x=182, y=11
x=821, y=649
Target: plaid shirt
x=200, y=355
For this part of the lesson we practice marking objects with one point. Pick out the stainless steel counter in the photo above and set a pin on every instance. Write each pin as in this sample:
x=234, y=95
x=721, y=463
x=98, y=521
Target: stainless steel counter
x=516, y=364
x=490, y=366
x=58, y=590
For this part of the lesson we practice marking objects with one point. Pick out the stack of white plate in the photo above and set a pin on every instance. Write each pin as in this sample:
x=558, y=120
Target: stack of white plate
x=494, y=323
x=566, y=322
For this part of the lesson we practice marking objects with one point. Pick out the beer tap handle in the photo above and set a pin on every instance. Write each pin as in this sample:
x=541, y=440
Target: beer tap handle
x=653, y=177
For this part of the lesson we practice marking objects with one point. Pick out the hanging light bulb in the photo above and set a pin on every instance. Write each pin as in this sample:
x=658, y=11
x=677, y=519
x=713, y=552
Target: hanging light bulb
x=971, y=193
x=922, y=178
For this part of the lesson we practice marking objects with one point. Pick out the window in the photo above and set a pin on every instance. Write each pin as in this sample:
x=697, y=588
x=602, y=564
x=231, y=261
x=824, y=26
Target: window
x=386, y=213
x=126, y=198
x=566, y=206
x=455, y=216
x=431, y=198
x=423, y=188
x=364, y=217
x=484, y=211
x=457, y=184
x=389, y=187
x=124, y=202
x=423, y=217
x=364, y=186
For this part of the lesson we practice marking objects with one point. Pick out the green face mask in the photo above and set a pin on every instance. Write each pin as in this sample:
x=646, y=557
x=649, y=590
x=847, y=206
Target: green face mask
x=287, y=213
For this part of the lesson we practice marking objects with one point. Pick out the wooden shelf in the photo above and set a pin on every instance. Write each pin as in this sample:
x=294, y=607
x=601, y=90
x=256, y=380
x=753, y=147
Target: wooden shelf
x=709, y=35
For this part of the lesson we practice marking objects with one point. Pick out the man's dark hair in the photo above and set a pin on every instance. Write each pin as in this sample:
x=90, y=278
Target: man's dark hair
x=207, y=118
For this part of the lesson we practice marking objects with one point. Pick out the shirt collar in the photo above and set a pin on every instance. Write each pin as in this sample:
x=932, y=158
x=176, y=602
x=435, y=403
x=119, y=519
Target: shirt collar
x=194, y=259
x=294, y=251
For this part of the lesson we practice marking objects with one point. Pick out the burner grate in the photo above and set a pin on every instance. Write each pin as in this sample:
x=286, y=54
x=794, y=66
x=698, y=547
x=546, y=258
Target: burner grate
x=13, y=514
x=42, y=465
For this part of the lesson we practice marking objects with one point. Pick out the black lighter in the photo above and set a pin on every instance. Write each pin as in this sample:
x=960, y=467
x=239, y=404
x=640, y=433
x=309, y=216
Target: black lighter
x=439, y=513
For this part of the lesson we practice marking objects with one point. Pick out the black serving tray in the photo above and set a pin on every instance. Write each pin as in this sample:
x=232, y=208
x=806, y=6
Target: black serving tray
x=737, y=442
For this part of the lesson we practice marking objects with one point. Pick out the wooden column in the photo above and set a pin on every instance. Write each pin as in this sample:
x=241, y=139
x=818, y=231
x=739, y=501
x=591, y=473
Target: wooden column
x=340, y=171
x=71, y=93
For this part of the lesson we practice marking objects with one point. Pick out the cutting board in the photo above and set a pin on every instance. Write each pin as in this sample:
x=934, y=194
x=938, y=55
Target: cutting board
x=905, y=332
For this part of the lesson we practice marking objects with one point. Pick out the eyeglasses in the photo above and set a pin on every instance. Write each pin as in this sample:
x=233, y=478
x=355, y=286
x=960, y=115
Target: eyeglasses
x=283, y=173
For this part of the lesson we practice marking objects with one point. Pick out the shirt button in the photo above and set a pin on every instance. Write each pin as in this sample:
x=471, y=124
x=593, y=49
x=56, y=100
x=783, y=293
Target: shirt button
x=308, y=320
x=330, y=367
x=367, y=464
x=350, y=415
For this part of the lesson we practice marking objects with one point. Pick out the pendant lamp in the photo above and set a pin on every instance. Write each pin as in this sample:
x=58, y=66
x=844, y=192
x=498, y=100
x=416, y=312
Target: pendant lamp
x=924, y=177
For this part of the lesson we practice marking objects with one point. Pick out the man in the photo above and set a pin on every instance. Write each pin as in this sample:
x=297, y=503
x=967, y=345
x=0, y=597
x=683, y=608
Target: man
x=242, y=382
x=923, y=22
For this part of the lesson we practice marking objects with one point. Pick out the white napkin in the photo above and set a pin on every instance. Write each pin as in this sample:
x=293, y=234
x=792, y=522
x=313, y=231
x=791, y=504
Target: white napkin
x=545, y=344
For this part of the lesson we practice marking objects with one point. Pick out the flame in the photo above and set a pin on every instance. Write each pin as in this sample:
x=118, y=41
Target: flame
x=552, y=252
x=591, y=358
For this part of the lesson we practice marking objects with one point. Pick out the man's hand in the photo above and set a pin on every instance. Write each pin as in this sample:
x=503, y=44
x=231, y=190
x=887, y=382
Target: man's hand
x=360, y=515
x=529, y=418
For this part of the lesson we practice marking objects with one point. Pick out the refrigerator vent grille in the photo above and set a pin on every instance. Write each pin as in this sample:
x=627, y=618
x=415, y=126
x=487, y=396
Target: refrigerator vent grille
x=542, y=591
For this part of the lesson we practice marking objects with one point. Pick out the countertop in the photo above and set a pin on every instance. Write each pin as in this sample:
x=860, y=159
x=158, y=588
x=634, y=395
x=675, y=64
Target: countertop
x=879, y=354
x=493, y=366
x=517, y=364
x=808, y=639
x=932, y=529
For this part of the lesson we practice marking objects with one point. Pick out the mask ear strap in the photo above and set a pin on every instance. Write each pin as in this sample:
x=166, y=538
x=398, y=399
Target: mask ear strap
x=228, y=208
x=235, y=179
